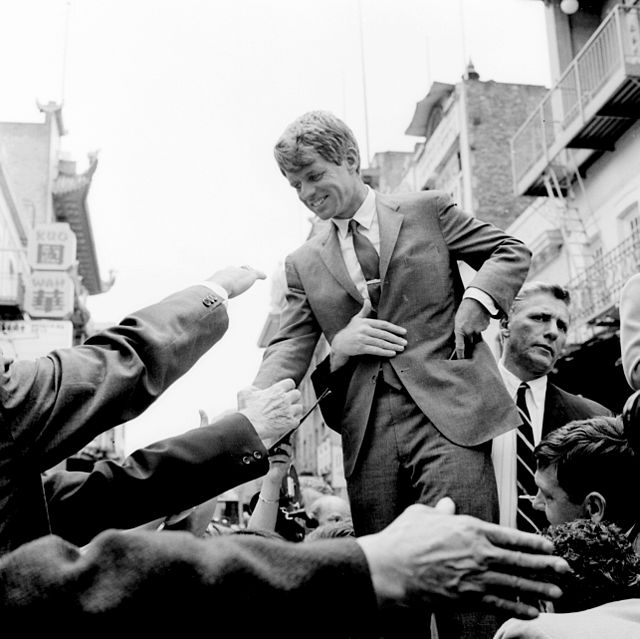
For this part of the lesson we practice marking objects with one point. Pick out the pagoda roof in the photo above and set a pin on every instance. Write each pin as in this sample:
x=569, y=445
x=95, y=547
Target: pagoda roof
x=70, y=191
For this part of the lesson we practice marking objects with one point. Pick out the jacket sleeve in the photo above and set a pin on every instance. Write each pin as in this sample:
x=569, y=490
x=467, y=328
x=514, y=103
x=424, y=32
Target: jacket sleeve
x=165, y=580
x=55, y=405
x=290, y=351
x=501, y=261
x=166, y=477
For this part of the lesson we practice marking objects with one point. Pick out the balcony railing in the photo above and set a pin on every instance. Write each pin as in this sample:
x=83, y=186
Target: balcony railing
x=592, y=104
x=596, y=291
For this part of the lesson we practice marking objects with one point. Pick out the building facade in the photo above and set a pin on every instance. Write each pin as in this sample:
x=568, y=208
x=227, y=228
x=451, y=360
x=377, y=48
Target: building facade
x=577, y=153
x=48, y=260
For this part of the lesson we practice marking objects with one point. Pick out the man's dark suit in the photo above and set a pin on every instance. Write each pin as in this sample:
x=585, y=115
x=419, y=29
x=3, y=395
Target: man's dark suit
x=166, y=477
x=422, y=235
x=171, y=582
x=561, y=407
x=53, y=406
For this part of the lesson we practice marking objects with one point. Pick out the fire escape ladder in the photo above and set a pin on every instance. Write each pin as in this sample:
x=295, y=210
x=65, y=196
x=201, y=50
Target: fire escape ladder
x=570, y=221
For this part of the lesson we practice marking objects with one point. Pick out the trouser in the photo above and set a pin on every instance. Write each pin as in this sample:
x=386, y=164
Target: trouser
x=403, y=460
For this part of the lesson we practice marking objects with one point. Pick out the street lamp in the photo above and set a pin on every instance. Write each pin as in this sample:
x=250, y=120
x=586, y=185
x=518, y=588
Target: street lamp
x=569, y=6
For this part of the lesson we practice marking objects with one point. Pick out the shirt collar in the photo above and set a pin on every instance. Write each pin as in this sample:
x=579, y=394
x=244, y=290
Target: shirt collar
x=537, y=386
x=364, y=214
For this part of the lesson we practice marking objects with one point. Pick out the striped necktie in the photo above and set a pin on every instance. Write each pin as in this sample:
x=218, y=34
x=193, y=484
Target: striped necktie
x=369, y=262
x=527, y=518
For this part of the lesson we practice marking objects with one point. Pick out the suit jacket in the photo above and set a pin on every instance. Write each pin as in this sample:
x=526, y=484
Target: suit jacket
x=53, y=406
x=630, y=330
x=233, y=585
x=561, y=407
x=166, y=477
x=422, y=236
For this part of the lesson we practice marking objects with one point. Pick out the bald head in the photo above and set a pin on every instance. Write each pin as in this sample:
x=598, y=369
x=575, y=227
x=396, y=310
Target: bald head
x=330, y=508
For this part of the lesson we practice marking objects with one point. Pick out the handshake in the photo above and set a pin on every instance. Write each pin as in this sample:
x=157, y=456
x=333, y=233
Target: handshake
x=273, y=411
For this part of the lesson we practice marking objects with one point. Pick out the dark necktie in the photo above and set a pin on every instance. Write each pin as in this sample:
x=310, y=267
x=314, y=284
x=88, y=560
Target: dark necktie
x=369, y=262
x=527, y=518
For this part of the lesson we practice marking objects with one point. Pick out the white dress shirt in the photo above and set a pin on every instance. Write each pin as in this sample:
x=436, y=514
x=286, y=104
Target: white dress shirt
x=366, y=216
x=504, y=446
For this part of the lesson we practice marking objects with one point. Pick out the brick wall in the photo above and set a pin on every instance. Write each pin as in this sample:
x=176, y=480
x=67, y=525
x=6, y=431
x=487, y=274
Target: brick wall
x=495, y=111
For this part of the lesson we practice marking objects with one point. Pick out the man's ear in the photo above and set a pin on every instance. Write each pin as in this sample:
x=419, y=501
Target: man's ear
x=594, y=506
x=351, y=159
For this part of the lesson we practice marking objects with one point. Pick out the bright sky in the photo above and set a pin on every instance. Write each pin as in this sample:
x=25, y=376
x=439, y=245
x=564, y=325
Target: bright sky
x=184, y=100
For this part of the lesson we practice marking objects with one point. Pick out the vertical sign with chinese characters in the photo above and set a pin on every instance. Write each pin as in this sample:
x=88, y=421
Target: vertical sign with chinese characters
x=51, y=252
x=52, y=247
x=49, y=294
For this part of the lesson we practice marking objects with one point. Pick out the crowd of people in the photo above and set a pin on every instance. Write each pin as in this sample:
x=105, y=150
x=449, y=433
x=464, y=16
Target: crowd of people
x=481, y=497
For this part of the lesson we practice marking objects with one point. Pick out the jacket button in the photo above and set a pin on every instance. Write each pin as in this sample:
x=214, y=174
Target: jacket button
x=206, y=302
x=246, y=459
x=257, y=454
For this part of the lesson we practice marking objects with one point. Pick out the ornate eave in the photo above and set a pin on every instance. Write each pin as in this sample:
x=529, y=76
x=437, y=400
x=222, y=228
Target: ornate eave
x=437, y=93
x=70, y=193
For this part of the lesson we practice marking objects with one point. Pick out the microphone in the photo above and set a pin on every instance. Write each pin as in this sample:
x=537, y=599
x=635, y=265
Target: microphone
x=286, y=438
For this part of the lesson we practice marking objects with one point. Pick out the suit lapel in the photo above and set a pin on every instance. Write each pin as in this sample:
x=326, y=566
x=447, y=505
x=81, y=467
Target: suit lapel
x=332, y=257
x=390, y=221
x=555, y=410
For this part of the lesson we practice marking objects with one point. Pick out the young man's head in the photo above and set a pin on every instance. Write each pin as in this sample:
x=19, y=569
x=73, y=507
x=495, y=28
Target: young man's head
x=319, y=156
x=587, y=470
x=535, y=330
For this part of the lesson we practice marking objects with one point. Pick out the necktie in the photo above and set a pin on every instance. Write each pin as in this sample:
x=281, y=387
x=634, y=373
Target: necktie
x=369, y=262
x=527, y=518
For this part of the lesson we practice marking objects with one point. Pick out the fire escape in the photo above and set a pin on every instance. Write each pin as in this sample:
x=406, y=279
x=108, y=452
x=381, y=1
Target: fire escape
x=595, y=101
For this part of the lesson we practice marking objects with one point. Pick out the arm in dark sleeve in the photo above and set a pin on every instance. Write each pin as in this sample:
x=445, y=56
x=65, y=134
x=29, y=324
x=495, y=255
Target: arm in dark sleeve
x=240, y=585
x=166, y=477
x=55, y=405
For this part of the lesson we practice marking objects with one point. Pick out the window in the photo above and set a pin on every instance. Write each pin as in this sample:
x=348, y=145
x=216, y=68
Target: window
x=630, y=222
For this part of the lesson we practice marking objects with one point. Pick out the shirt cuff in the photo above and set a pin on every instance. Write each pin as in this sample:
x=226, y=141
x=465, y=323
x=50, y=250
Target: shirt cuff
x=217, y=289
x=484, y=298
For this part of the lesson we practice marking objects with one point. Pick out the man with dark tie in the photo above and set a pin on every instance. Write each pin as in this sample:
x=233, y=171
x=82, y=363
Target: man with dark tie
x=423, y=396
x=533, y=335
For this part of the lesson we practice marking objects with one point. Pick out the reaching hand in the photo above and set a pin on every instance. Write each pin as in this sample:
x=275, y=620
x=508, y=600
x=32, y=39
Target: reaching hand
x=273, y=411
x=471, y=319
x=237, y=279
x=431, y=555
x=366, y=336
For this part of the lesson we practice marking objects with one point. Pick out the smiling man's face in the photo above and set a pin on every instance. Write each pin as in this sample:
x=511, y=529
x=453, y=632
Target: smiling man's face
x=329, y=190
x=535, y=335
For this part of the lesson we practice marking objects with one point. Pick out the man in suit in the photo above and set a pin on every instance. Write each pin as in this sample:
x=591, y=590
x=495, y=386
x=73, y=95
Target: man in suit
x=417, y=422
x=52, y=406
x=403, y=357
x=533, y=336
x=162, y=581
